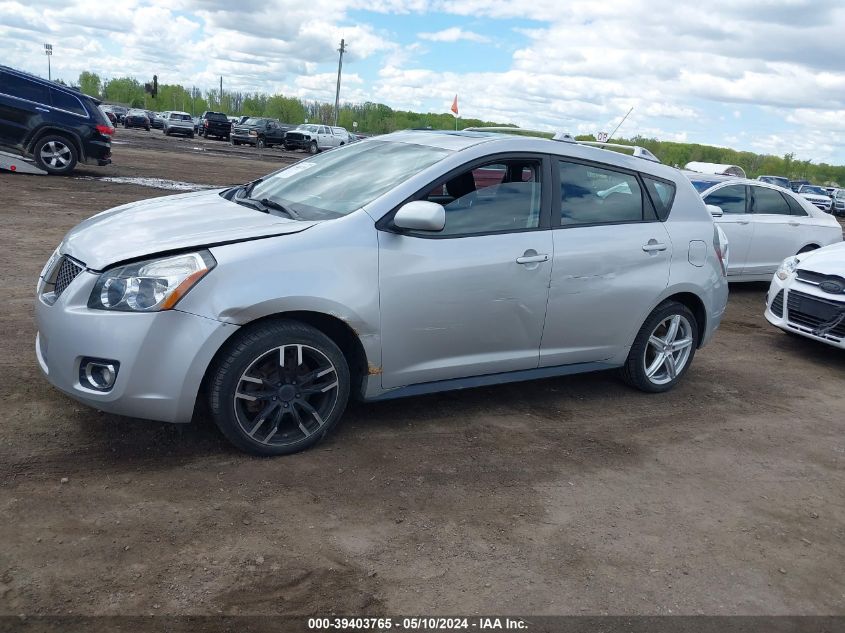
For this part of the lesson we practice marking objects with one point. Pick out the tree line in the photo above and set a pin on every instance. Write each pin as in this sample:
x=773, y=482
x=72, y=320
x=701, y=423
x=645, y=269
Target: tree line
x=377, y=118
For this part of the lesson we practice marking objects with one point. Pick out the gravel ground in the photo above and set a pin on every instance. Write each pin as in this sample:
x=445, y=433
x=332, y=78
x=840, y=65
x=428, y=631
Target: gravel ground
x=571, y=495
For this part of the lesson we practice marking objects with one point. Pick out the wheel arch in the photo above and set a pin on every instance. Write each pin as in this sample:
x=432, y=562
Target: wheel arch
x=338, y=330
x=71, y=135
x=696, y=306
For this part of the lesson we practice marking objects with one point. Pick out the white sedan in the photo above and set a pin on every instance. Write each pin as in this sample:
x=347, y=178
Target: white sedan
x=807, y=295
x=764, y=223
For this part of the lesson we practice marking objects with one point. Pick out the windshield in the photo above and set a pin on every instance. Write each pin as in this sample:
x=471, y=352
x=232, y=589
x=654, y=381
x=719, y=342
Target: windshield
x=334, y=184
x=307, y=128
x=816, y=190
x=254, y=121
x=701, y=185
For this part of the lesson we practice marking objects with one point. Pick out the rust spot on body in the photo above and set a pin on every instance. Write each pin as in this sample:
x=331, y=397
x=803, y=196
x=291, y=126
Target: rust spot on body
x=372, y=370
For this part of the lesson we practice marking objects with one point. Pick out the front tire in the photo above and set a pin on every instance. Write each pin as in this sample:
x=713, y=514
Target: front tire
x=55, y=155
x=279, y=388
x=312, y=148
x=663, y=350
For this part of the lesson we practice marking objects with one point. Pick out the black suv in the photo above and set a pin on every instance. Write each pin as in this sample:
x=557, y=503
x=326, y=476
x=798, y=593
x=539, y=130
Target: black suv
x=55, y=125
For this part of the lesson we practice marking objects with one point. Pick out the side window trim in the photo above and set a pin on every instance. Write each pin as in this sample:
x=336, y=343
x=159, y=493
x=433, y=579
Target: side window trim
x=647, y=205
x=546, y=198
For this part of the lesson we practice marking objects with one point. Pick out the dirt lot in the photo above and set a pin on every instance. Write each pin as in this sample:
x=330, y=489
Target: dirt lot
x=563, y=496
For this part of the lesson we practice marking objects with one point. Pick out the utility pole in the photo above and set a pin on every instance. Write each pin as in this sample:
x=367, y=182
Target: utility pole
x=48, y=51
x=341, y=50
x=221, y=92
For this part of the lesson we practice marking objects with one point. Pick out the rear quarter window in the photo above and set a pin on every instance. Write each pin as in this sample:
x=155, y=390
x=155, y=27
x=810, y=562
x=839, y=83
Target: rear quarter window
x=68, y=102
x=662, y=194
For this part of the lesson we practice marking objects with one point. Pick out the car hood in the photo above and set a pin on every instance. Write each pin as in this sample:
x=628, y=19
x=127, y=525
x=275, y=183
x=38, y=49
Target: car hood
x=168, y=224
x=829, y=260
x=814, y=196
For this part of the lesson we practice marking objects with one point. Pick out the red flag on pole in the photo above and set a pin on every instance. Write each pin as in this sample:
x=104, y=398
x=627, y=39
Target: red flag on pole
x=454, y=107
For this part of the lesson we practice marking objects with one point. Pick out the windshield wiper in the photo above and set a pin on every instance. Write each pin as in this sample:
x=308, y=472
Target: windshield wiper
x=272, y=204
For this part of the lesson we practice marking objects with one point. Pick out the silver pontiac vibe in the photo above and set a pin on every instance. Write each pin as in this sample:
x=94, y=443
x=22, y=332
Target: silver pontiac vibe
x=405, y=264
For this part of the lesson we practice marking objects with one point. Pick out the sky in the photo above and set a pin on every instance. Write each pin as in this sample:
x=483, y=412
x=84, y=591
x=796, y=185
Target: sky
x=760, y=75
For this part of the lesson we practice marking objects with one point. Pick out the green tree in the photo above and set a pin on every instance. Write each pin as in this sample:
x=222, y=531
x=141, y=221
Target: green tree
x=90, y=83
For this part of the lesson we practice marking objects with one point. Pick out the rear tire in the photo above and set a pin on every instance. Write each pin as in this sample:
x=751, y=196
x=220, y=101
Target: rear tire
x=663, y=350
x=55, y=154
x=278, y=388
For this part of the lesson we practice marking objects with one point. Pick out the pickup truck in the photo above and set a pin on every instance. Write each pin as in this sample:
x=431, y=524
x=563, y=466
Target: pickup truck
x=259, y=131
x=215, y=124
x=315, y=138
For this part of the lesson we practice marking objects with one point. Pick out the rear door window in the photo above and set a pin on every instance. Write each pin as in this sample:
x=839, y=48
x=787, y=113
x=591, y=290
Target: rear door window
x=731, y=199
x=768, y=201
x=795, y=207
x=596, y=195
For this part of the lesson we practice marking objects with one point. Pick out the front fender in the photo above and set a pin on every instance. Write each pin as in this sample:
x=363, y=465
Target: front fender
x=330, y=269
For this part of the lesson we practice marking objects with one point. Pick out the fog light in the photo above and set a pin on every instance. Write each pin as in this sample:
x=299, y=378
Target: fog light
x=98, y=374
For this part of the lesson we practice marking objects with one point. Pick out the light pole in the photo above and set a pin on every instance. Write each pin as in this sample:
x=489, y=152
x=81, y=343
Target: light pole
x=341, y=50
x=48, y=51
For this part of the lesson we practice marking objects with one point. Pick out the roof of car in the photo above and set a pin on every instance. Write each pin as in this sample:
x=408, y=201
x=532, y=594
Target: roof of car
x=52, y=84
x=509, y=142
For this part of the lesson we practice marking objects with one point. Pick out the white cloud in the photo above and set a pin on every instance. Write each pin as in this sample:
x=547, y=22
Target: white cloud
x=453, y=34
x=579, y=68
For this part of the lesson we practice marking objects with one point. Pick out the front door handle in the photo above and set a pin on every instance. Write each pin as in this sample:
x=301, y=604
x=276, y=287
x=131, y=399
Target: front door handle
x=654, y=245
x=41, y=109
x=532, y=259
x=743, y=221
x=794, y=224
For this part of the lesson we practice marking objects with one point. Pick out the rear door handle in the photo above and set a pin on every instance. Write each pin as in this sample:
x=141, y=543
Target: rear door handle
x=532, y=259
x=743, y=221
x=794, y=224
x=653, y=246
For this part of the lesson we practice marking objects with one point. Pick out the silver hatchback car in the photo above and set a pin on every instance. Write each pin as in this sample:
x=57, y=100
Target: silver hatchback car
x=405, y=264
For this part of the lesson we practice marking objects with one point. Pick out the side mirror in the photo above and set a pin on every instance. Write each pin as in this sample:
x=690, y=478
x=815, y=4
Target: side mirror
x=420, y=215
x=715, y=211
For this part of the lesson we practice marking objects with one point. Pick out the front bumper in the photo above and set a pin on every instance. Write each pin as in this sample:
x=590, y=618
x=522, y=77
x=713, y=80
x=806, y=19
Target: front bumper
x=244, y=138
x=782, y=319
x=297, y=143
x=163, y=355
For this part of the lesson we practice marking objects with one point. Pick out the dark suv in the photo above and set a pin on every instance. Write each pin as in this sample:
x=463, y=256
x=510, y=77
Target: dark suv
x=50, y=123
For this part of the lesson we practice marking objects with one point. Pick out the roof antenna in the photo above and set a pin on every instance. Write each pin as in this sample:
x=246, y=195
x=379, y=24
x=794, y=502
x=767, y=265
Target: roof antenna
x=620, y=124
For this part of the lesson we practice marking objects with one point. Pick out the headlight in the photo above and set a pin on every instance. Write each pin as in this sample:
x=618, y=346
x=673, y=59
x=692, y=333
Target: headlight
x=253, y=133
x=787, y=267
x=49, y=265
x=151, y=285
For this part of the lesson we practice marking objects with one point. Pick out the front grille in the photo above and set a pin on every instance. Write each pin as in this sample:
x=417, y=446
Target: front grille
x=801, y=311
x=814, y=278
x=777, y=305
x=294, y=136
x=68, y=270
